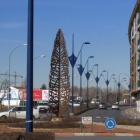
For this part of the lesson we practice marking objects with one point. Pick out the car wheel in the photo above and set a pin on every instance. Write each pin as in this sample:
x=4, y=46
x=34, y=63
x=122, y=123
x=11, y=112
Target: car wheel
x=112, y=108
x=3, y=117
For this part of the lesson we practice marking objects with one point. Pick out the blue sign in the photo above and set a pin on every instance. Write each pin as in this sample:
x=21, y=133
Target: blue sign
x=110, y=124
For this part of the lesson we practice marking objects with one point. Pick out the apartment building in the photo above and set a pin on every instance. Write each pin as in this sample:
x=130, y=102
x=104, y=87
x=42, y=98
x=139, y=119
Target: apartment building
x=134, y=40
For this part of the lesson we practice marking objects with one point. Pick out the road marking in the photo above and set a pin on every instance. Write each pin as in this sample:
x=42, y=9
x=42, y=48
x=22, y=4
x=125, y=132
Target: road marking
x=106, y=117
x=98, y=117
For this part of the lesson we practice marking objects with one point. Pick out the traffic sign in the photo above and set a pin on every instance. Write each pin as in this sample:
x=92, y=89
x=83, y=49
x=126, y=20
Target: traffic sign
x=86, y=120
x=110, y=124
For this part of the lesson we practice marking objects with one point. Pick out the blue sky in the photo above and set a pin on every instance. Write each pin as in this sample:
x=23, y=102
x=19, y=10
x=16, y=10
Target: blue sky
x=104, y=23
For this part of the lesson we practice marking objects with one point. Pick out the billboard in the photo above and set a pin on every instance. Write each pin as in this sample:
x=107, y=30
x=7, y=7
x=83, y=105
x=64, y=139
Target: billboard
x=37, y=95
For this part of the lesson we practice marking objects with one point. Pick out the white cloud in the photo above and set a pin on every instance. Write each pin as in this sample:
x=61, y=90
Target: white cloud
x=11, y=25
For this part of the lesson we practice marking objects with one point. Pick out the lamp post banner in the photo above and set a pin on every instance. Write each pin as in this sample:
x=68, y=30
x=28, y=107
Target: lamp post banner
x=87, y=75
x=119, y=85
x=72, y=60
x=97, y=79
x=80, y=69
x=107, y=82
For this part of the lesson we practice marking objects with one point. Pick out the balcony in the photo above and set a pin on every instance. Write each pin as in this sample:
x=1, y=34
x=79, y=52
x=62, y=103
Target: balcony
x=138, y=27
x=138, y=84
x=138, y=65
x=132, y=37
x=138, y=49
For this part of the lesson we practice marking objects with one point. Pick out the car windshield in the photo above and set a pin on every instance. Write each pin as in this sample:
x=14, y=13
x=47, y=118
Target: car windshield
x=43, y=104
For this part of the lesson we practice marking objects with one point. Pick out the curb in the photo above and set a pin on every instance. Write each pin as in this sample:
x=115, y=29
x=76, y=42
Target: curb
x=99, y=134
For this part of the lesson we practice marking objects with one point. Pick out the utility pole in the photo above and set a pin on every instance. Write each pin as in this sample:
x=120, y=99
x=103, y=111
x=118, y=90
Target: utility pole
x=15, y=75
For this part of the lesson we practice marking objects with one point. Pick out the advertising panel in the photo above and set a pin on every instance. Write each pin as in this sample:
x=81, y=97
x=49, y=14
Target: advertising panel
x=45, y=95
x=37, y=95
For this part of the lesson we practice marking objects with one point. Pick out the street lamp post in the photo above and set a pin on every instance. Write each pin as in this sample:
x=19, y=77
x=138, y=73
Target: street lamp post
x=107, y=83
x=29, y=105
x=73, y=60
x=9, y=72
x=81, y=69
x=115, y=86
x=97, y=79
x=129, y=88
x=88, y=76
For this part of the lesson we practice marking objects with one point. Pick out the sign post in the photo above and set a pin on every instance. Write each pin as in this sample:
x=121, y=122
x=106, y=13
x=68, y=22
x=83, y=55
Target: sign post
x=87, y=120
x=110, y=124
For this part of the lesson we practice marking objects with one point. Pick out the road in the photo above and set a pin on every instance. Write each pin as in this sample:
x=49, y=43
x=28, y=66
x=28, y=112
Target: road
x=101, y=115
x=96, y=138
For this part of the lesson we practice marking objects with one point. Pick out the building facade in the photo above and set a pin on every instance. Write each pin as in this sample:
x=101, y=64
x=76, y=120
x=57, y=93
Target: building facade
x=134, y=40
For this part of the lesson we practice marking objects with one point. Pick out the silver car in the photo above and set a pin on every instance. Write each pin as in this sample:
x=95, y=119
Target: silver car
x=19, y=112
x=115, y=106
x=43, y=106
x=103, y=106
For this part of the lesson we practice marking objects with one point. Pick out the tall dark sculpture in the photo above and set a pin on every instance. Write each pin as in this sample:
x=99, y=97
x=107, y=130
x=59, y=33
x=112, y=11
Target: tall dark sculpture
x=59, y=85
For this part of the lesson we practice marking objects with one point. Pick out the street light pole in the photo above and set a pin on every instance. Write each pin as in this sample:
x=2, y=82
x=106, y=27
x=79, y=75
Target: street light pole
x=81, y=69
x=129, y=86
x=107, y=83
x=9, y=72
x=88, y=76
x=29, y=106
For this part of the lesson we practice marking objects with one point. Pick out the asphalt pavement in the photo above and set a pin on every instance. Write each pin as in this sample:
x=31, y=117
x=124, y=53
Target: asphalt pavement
x=102, y=114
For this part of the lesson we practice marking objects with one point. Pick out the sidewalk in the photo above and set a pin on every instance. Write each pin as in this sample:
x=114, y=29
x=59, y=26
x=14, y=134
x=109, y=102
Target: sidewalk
x=132, y=112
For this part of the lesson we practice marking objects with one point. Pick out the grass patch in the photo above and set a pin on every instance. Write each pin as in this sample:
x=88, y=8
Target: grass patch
x=10, y=120
x=68, y=122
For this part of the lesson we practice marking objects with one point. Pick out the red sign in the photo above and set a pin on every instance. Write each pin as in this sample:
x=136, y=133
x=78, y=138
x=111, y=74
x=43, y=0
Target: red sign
x=37, y=95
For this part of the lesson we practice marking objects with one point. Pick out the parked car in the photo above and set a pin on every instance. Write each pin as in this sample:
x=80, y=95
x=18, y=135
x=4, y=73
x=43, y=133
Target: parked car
x=75, y=103
x=43, y=106
x=115, y=106
x=19, y=112
x=103, y=106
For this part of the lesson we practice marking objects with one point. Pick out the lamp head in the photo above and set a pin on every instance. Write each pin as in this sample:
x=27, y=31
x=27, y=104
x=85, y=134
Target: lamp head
x=91, y=57
x=24, y=44
x=43, y=56
x=86, y=42
x=113, y=74
x=96, y=65
x=104, y=70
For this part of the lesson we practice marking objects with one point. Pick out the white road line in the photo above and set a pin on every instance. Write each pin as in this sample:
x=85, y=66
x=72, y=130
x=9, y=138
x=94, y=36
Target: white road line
x=97, y=117
x=106, y=117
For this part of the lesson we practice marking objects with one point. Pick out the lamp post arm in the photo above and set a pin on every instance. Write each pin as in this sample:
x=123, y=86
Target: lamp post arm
x=93, y=75
x=80, y=50
x=103, y=77
x=110, y=78
x=86, y=63
x=36, y=57
x=127, y=83
x=122, y=81
x=13, y=50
